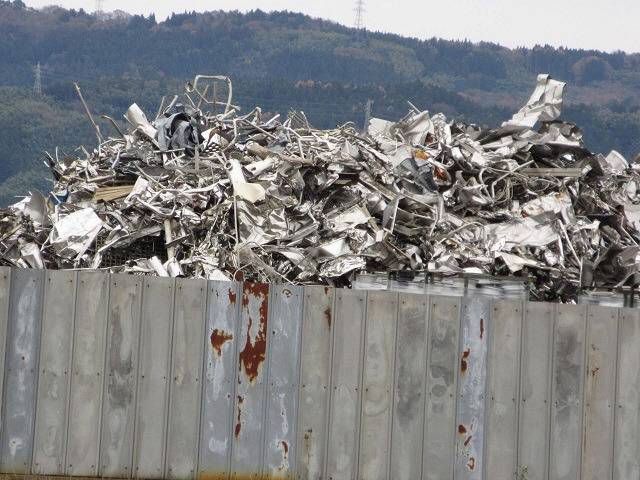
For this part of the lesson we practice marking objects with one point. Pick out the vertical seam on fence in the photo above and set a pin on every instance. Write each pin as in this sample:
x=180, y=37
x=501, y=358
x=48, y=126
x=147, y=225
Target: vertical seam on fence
x=586, y=316
x=4, y=356
x=300, y=376
x=273, y=295
x=40, y=278
x=616, y=406
x=462, y=310
x=293, y=466
x=200, y=378
x=336, y=293
x=105, y=341
x=234, y=371
x=518, y=392
x=363, y=345
x=203, y=374
x=425, y=389
x=136, y=392
x=45, y=294
x=551, y=386
x=392, y=389
x=69, y=368
x=612, y=449
x=169, y=378
x=487, y=395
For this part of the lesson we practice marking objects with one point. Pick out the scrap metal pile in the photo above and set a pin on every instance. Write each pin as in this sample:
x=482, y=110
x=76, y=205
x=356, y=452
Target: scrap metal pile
x=205, y=191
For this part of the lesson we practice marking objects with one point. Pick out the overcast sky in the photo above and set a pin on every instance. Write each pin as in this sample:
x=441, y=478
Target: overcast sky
x=605, y=25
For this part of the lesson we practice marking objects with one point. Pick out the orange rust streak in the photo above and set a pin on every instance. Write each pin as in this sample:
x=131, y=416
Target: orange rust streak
x=472, y=463
x=233, y=296
x=238, y=421
x=218, y=339
x=327, y=315
x=254, y=352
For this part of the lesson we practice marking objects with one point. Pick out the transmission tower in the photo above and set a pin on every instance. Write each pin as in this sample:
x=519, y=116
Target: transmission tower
x=359, y=9
x=37, y=83
x=98, y=6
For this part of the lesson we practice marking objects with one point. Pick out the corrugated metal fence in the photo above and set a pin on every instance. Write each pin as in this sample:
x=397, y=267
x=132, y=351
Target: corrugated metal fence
x=119, y=376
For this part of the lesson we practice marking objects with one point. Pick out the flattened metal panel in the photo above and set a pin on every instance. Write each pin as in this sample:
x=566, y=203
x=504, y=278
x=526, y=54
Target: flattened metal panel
x=153, y=377
x=599, y=391
x=247, y=451
x=627, y=441
x=21, y=366
x=344, y=421
x=503, y=370
x=567, y=382
x=377, y=394
x=216, y=431
x=318, y=319
x=470, y=410
x=5, y=285
x=409, y=389
x=186, y=371
x=85, y=404
x=285, y=323
x=55, y=365
x=118, y=409
x=535, y=390
x=441, y=386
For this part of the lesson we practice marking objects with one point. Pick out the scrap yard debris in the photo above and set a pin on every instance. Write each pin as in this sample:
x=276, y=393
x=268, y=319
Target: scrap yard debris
x=202, y=190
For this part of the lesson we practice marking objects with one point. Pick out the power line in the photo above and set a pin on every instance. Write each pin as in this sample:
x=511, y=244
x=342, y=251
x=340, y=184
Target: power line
x=37, y=83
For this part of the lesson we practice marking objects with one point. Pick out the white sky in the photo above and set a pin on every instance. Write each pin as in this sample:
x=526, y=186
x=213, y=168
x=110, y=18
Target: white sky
x=600, y=24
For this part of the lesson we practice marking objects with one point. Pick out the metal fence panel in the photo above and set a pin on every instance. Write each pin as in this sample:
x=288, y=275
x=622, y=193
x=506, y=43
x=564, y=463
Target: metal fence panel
x=247, y=449
x=535, y=390
x=21, y=370
x=441, y=387
x=377, y=393
x=475, y=331
x=503, y=369
x=216, y=431
x=83, y=440
x=5, y=289
x=599, y=391
x=284, y=352
x=153, y=377
x=346, y=382
x=186, y=372
x=567, y=383
x=627, y=418
x=118, y=409
x=409, y=388
x=54, y=378
x=315, y=365
x=309, y=383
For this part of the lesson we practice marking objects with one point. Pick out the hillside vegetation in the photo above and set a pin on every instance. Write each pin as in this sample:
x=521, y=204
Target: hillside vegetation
x=278, y=60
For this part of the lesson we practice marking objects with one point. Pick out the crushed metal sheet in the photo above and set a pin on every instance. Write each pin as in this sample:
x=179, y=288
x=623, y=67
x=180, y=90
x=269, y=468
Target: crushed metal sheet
x=232, y=195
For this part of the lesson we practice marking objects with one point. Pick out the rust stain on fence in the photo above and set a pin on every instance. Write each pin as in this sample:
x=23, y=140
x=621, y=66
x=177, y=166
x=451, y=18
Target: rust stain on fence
x=218, y=339
x=254, y=351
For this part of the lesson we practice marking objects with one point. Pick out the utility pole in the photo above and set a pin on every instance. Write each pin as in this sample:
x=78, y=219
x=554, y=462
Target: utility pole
x=98, y=6
x=359, y=23
x=37, y=83
x=367, y=115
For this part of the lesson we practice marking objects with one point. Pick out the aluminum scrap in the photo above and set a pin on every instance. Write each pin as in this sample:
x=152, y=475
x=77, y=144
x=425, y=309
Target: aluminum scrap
x=222, y=194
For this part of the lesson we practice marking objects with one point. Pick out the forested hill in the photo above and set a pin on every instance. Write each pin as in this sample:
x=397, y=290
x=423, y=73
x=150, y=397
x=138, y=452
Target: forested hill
x=278, y=60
